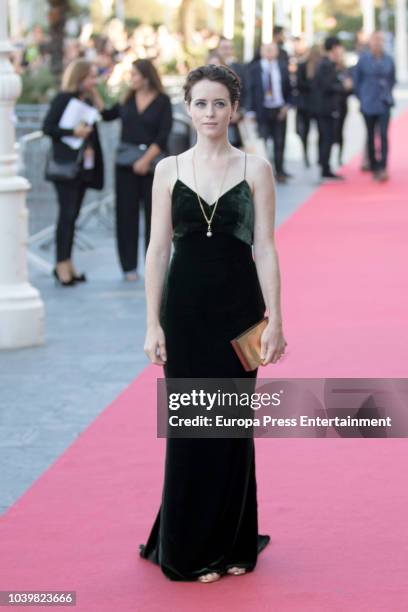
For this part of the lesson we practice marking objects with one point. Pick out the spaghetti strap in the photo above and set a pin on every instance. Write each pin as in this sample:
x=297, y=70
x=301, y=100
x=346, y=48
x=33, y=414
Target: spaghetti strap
x=177, y=166
x=245, y=166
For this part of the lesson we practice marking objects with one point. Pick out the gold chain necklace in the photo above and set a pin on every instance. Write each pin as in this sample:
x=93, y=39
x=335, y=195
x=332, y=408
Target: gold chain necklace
x=209, y=220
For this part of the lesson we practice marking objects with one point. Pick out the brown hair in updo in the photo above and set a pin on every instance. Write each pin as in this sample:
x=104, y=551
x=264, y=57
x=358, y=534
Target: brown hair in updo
x=212, y=72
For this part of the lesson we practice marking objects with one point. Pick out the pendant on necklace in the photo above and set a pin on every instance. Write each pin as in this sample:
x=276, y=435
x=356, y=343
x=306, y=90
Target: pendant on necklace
x=209, y=233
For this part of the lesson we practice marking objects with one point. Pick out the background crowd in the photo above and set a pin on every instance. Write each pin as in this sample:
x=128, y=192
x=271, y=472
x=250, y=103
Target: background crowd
x=122, y=74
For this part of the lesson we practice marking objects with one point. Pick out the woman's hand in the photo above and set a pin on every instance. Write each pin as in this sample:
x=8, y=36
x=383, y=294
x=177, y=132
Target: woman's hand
x=155, y=345
x=273, y=343
x=82, y=130
x=141, y=166
x=97, y=98
x=348, y=83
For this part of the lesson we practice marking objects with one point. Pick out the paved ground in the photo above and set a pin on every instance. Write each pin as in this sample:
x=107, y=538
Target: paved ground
x=94, y=340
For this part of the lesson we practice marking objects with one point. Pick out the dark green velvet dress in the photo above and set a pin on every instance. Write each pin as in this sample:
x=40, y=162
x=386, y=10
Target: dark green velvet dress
x=208, y=520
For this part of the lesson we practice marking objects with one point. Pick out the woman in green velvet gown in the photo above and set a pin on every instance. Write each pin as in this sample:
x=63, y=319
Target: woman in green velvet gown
x=214, y=288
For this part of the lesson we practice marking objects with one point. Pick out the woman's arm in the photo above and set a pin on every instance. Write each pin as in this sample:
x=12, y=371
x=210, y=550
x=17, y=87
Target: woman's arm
x=51, y=120
x=357, y=76
x=165, y=122
x=50, y=124
x=107, y=114
x=266, y=259
x=157, y=259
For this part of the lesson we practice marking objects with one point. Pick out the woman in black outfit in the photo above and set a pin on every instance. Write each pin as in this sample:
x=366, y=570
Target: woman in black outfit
x=343, y=74
x=216, y=206
x=306, y=102
x=146, y=117
x=79, y=81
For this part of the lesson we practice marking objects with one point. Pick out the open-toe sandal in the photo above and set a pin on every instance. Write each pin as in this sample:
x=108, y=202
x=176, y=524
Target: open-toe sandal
x=210, y=577
x=236, y=571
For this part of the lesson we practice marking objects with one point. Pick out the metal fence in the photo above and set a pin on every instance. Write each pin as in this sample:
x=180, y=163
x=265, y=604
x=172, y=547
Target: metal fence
x=29, y=118
x=98, y=205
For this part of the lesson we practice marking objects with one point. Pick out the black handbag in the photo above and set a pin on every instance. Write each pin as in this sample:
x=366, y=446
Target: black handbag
x=63, y=170
x=128, y=153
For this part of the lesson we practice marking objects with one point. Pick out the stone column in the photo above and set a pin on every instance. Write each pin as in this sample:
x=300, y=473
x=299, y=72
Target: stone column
x=401, y=45
x=120, y=9
x=296, y=17
x=267, y=20
x=309, y=29
x=280, y=14
x=228, y=19
x=248, y=15
x=21, y=307
x=367, y=8
x=15, y=20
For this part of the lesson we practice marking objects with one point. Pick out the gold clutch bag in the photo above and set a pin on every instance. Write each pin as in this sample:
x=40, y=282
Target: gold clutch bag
x=248, y=345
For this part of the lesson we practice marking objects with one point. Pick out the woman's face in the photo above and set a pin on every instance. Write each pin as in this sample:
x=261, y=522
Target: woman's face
x=137, y=79
x=337, y=54
x=90, y=81
x=210, y=107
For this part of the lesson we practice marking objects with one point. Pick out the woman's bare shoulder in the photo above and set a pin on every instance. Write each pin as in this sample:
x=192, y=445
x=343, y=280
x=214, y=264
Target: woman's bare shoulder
x=168, y=168
x=257, y=162
x=165, y=173
x=258, y=169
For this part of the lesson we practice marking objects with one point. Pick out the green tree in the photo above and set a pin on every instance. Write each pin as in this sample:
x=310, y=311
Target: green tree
x=346, y=13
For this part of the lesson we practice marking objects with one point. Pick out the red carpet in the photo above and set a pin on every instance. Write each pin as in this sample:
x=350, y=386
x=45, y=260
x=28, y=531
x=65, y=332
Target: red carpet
x=335, y=509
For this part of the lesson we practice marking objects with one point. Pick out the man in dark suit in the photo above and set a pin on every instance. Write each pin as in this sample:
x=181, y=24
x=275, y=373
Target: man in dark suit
x=226, y=54
x=283, y=57
x=279, y=38
x=329, y=87
x=268, y=99
x=226, y=51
